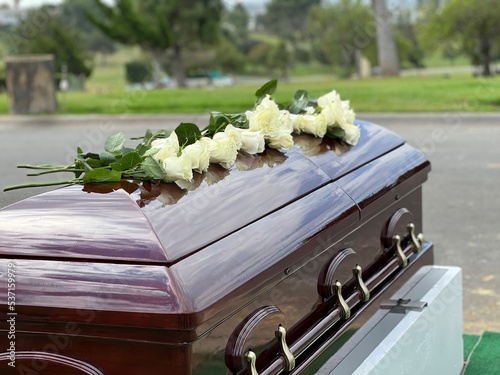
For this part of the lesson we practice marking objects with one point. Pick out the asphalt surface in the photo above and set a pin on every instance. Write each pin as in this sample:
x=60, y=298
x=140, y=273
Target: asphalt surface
x=461, y=197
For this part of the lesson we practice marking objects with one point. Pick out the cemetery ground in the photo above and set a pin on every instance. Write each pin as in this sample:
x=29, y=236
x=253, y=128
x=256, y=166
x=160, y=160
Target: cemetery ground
x=436, y=93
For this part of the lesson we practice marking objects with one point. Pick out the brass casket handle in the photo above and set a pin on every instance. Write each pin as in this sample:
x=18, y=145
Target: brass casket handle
x=239, y=352
x=393, y=236
x=251, y=359
x=284, y=349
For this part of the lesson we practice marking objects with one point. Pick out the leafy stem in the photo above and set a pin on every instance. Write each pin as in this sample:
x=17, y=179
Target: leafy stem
x=41, y=184
x=74, y=170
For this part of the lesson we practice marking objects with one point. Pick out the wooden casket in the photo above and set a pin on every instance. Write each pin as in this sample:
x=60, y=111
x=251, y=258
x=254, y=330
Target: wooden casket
x=263, y=269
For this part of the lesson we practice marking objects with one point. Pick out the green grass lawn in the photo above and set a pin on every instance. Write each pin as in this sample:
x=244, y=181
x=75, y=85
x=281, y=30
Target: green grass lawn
x=419, y=94
x=437, y=60
x=105, y=91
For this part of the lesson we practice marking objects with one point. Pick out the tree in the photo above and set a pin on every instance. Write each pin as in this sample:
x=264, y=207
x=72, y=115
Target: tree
x=386, y=46
x=473, y=23
x=343, y=29
x=90, y=37
x=161, y=25
x=55, y=37
x=279, y=58
x=287, y=18
x=236, y=24
x=406, y=41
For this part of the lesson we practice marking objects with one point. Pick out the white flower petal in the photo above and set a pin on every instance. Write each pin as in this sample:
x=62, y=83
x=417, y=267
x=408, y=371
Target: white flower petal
x=199, y=155
x=223, y=151
x=252, y=142
x=273, y=123
x=177, y=168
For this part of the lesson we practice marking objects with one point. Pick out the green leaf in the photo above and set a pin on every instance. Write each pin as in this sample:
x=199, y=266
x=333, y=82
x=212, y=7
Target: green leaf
x=147, y=136
x=267, y=89
x=90, y=155
x=130, y=160
x=238, y=120
x=126, y=150
x=115, y=142
x=94, y=163
x=187, y=133
x=335, y=132
x=116, y=167
x=300, y=102
x=79, y=151
x=81, y=163
x=153, y=169
x=107, y=158
x=102, y=175
x=159, y=134
x=151, y=151
x=218, y=122
x=141, y=149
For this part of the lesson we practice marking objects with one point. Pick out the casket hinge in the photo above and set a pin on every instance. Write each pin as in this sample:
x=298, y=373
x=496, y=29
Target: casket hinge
x=402, y=306
x=284, y=349
x=360, y=284
x=251, y=359
x=396, y=242
x=340, y=301
x=416, y=241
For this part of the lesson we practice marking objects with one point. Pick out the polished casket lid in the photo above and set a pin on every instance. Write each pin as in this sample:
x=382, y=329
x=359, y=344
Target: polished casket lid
x=140, y=248
x=166, y=223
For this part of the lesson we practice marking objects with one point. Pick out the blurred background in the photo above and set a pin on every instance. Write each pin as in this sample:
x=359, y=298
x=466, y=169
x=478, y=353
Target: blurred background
x=105, y=48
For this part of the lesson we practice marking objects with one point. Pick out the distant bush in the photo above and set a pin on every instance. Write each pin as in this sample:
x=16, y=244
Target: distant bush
x=137, y=72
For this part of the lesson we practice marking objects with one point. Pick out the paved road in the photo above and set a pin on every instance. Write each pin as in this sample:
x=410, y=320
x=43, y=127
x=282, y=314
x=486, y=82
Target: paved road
x=461, y=198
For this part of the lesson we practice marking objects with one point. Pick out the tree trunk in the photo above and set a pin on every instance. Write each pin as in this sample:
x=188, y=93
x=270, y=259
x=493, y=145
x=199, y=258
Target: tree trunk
x=179, y=71
x=156, y=55
x=31, y=84
x=386, y=46
x=485, y=57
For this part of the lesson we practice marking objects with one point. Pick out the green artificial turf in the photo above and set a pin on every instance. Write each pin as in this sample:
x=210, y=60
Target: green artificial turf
x=469, y=342
x=484, y=354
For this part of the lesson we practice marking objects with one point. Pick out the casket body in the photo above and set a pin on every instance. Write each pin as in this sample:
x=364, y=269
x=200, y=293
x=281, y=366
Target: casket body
x=282, y=257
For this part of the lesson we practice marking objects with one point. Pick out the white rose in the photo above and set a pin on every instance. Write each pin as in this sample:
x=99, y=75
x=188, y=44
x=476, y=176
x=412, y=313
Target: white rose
x=281, y=139
x=294, y=120
x=336, y=111
x=199, y=155
x=327, y=99
x=167, y=147
x=252, y=142
x=274, y=124
x=309, y=110
x=349, y=114
x=177, y=168
x=311, y=124
x=352, y=133
x=223, y=150
x=233, y=133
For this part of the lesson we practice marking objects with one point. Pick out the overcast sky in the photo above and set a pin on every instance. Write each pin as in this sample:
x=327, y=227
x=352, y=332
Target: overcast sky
x=30, y=3
x=253, y=5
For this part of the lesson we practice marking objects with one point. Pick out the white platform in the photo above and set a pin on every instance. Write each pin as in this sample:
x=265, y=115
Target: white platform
x=411, y=340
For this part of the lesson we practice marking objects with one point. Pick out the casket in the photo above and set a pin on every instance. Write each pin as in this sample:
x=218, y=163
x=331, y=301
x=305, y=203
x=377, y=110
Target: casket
x=266, y=268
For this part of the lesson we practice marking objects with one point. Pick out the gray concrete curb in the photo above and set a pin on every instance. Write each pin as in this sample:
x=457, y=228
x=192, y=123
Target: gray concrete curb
x=200, y=118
